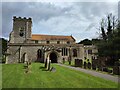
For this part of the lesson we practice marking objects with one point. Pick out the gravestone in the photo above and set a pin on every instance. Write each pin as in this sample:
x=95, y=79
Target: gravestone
x=46, y=63
x=105, y=69
x=78, y=62
x=53, y=69
x=26, y=57
x=63, y=60
x=109, y=71
x=85, y=65
x=26, y=64
x=116, y=70
x=93, y=67
x=69, y=62
x=29, y=62
x=81, y=62
x=26, y=70
x=49, y=64
x=94, y=64
x=89, y=65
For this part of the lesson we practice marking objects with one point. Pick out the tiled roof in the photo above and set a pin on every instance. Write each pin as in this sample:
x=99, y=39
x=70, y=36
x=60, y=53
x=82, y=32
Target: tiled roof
x=51, y=37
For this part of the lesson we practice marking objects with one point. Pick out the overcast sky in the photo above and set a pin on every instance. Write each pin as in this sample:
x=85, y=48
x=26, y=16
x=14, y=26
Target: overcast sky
x=79, y=19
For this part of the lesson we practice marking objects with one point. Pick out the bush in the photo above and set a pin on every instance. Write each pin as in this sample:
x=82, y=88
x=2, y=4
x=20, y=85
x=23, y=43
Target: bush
x=3, y=59
x=116, y=70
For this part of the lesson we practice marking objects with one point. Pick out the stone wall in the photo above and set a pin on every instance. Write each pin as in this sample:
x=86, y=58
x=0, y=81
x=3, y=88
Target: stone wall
x=31, y=51
x=13, y=56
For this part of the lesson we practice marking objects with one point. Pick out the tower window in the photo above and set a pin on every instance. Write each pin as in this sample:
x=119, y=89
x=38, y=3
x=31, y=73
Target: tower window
x=21, y=31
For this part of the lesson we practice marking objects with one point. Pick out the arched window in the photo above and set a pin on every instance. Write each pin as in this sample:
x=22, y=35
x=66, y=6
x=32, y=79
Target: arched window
x=74, y=52
x=39, y=53
x=64, y=51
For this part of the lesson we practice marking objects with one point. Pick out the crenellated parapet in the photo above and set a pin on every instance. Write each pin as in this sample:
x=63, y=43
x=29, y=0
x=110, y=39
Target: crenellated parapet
x=22, y=19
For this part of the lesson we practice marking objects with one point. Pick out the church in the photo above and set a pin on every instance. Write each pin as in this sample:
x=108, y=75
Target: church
x=25, y=46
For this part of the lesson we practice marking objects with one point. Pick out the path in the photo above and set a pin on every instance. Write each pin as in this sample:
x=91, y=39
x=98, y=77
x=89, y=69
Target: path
x=94, y=73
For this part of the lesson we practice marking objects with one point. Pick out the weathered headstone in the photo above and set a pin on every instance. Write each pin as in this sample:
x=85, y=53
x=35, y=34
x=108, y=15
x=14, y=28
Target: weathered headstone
x=69, y=62
x=93, y=67
x=81, y=62
x=25, y=64
x=29, y=63
x=26, y=57
x=94, y=64
x=49, y=64
x=89, y=65
x=105, y=69
x=78, y=63
x=26, y=67
x=26, y=70
x=63, y=60
x=46, y=63
x=85, y=65
x=109, y=71
x=99, y=68
x=53, y=69
x=116, y=70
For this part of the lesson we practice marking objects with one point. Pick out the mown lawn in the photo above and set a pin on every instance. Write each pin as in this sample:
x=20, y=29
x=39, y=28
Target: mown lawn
x=13, y=76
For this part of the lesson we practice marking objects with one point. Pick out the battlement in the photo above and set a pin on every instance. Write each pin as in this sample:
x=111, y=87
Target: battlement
x=22, y=18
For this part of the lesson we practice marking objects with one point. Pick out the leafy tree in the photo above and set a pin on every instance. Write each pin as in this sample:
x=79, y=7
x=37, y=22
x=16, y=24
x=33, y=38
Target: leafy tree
x=110, y=39
x=86, y=42
x=4, y=44
x=3, y=47
x=95, y=41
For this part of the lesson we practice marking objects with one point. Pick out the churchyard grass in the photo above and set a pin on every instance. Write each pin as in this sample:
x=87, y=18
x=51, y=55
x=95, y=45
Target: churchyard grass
x=13, y=76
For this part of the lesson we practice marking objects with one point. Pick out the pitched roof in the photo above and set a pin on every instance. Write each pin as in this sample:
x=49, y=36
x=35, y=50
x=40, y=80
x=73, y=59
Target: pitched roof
x=51, y=37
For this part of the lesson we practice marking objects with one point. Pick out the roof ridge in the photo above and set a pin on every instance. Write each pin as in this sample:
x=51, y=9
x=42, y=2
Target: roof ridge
x=50, y=35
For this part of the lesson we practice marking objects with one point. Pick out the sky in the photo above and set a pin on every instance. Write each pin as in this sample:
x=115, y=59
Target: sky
x=79, y=19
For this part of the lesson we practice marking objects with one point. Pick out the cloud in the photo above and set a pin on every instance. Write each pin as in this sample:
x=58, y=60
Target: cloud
x=119, y=10
x=61, y=18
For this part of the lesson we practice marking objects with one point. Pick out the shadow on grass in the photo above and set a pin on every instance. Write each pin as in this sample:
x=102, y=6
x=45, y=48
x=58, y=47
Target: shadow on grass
x=43, y=68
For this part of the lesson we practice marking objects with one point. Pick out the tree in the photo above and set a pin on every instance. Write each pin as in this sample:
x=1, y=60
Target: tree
x=109, y=41
x=3, y=47
x=4, y=44
x=86, y=42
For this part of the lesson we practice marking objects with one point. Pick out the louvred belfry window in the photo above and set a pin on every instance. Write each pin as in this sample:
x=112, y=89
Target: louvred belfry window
x=21, y=32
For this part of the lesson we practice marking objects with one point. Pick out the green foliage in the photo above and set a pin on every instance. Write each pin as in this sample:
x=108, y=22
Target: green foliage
x=4, y=44
x=38, y=78
x=86, y=42
x=109, y=43
x=89, y=42
x=3, y=47
x=95, y=41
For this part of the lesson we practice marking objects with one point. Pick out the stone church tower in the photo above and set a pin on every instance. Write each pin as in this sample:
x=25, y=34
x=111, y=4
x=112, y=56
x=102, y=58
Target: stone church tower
x=21, y=30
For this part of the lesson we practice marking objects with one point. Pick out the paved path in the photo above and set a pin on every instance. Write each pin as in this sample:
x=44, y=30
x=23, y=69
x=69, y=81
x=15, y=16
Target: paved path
x=94, y=73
